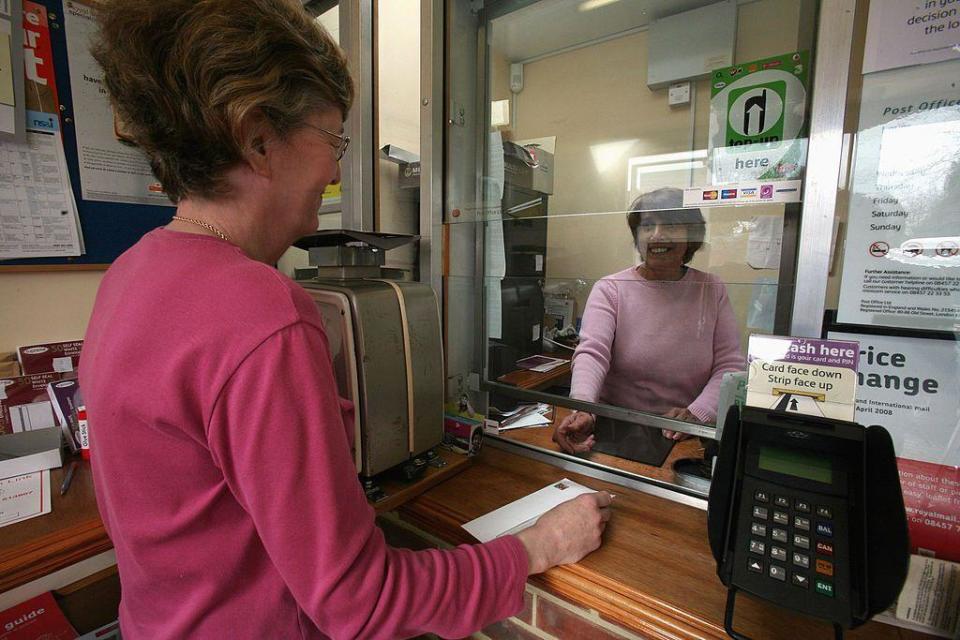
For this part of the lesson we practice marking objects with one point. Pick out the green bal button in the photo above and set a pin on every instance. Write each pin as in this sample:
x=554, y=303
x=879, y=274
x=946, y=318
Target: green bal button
x=825, y=588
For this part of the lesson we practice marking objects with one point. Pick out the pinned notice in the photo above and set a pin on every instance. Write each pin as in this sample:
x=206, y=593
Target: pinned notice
x=799, y=375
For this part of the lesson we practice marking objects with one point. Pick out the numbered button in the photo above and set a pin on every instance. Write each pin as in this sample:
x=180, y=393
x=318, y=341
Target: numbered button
x=779, y=535
x=757, y=547
x=781, y=501
x=802, y=542
x=801, y=523
x=778, y=553
x=802, y=506
x=778, y=573
x=824, y=512
x=758, y=529
x=761, y=496
x=760, y=513
x=781, y=518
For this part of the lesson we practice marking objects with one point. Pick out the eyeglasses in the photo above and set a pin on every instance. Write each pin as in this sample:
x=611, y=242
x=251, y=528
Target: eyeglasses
x=343, y=142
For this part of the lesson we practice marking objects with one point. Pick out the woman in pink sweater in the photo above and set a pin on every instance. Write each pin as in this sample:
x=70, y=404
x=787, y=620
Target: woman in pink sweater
x=221, y=456
x=657, y=337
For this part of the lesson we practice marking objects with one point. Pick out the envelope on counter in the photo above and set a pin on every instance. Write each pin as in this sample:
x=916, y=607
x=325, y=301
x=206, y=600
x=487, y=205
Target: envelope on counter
x=520, y=514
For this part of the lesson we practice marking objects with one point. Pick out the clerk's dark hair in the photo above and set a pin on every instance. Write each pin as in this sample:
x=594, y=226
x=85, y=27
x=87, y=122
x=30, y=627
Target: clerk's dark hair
x=184, y=75
x=665, y=206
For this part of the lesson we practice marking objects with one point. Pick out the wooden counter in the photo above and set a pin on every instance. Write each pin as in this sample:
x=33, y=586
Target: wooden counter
x=73, y=531
x=654, y=573
x=541, y=437
x=70, y=533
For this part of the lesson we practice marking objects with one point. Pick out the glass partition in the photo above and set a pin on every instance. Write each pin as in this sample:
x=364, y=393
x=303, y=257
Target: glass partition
x=638, y=211
x=397, y=109
x=895, y=278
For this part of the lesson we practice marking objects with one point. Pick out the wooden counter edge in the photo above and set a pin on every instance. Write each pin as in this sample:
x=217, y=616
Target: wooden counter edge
x=614, y=601
x=52, y=552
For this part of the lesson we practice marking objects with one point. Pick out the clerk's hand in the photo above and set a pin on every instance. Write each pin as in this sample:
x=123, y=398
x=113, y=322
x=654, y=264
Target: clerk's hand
x=575, y=433
x=679, y=413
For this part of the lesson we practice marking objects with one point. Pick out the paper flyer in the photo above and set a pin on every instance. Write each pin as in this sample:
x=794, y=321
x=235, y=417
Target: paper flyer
x=110, y=171
x=11, y=78
x=904, y=34
x=901, y=260
x=40, y=86
x=911, y=387
x=931, y=595
x=24, y=497
x=800, y=375
x=38, y=217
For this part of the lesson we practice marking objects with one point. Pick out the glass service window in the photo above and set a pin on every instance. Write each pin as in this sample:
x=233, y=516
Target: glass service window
x=642, y=164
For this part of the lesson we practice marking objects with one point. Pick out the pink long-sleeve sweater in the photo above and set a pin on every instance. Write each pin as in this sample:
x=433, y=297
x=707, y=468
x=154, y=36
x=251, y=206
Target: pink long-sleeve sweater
x=223, y=470
x=655, y=345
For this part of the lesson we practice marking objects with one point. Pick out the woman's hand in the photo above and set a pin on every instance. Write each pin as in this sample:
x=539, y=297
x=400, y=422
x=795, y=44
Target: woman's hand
x=566, y=533
x=575, y=432
x=679, y=413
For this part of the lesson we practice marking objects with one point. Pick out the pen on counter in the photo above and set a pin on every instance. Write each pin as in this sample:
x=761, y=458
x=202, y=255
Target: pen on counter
x=68, y=477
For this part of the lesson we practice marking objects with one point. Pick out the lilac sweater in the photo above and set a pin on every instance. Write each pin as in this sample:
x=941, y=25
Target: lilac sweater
x=223, y=470
x=654, y=345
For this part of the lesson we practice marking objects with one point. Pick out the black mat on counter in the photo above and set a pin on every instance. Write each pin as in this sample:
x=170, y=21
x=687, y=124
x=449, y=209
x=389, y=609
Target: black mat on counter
x=636, y=442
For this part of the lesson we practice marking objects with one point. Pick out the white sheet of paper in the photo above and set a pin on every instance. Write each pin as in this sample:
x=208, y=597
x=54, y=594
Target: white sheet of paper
x=23, y=497
x=764, y=244
x=38, y=216
x=549, y=366
x=520, y=514
x=530, y=420
x=930, y=597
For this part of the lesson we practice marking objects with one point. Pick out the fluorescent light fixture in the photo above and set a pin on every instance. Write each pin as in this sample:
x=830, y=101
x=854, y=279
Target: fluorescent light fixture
x=590, y=5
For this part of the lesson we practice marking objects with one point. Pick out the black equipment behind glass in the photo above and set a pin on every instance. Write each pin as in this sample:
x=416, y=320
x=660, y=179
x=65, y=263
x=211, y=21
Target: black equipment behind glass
x=807, y=512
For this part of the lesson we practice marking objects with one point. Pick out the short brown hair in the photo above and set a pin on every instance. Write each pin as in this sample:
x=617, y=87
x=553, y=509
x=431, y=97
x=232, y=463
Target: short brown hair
x=183, y=74
x=665, y=206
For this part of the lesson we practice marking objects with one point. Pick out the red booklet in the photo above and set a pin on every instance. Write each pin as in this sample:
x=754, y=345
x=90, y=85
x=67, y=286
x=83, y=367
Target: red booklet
x=34, y=619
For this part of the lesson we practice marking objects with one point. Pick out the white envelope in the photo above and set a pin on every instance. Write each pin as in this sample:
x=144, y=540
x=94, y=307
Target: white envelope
x=520, y=514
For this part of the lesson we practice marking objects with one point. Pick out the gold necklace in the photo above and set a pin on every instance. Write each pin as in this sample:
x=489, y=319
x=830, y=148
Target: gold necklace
x=205, y=225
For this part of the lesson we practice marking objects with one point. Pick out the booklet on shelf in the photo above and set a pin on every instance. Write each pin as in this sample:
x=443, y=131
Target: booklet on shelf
x=38, y=617
x=65, y=400
x=24, y=403
x=61, y=357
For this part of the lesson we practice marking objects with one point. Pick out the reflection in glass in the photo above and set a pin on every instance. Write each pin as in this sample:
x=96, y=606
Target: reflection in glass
x=658, y=337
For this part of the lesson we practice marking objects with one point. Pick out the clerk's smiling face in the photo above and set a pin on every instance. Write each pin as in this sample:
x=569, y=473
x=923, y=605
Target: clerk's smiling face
x=661, y=245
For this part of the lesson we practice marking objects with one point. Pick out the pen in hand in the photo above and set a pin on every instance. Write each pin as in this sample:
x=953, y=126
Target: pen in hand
x=68, y=477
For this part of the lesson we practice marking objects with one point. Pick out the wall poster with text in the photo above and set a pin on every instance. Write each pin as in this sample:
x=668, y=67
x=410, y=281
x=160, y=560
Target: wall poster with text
x=911, y=386
x=901, y=262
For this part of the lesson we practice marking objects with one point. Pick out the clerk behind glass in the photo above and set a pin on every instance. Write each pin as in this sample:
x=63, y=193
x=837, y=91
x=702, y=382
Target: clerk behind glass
x=657, y=337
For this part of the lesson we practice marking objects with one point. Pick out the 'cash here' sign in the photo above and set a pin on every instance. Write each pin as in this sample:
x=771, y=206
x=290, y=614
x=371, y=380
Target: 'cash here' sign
x=798, y=375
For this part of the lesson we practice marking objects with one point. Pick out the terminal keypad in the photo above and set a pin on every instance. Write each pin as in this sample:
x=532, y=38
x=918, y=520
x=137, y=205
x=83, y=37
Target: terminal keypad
x=792, y=541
